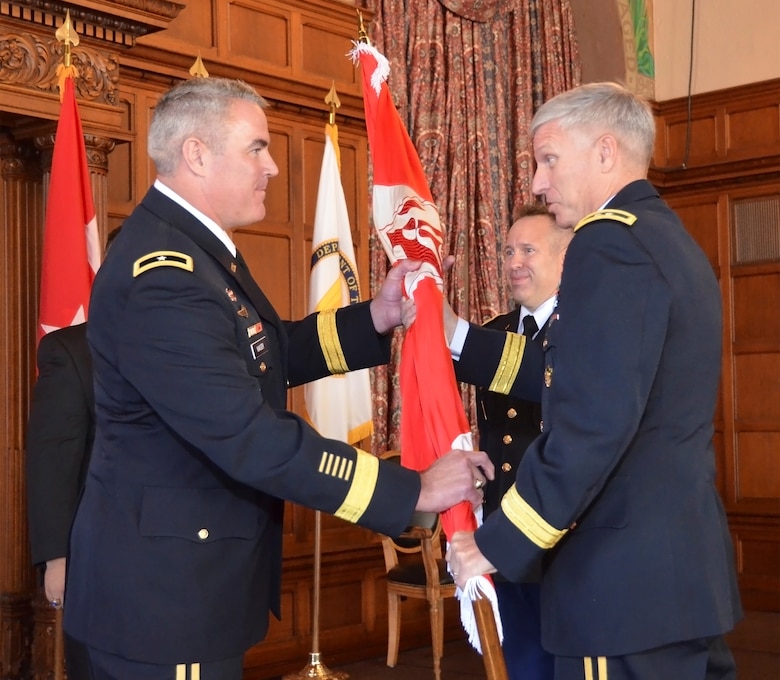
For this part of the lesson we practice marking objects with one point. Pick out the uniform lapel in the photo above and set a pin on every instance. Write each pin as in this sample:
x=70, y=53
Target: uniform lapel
x=186, y=222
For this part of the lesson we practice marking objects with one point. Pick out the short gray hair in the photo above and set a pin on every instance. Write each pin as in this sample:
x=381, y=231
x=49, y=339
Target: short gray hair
x=607, y=106
x=196, y=107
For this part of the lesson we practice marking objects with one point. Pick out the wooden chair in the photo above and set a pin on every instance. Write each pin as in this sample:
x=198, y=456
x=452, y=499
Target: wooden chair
x=426, y=577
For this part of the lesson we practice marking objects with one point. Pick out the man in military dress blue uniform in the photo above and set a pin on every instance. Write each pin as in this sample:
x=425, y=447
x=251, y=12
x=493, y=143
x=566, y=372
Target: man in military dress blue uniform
x=617, y=493
x=177, y=542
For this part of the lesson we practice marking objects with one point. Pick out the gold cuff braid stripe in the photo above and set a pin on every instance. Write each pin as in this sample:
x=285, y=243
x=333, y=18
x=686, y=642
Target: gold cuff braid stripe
x=330, y=343
x=525, y=518
x=509, y=365
x=361, y=491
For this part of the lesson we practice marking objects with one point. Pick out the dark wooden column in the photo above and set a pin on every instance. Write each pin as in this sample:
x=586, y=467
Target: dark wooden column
x=20, y=216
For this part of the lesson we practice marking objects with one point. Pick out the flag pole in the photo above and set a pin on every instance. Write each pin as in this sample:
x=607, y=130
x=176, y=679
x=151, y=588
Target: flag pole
x=67, y=35
x=315, y=668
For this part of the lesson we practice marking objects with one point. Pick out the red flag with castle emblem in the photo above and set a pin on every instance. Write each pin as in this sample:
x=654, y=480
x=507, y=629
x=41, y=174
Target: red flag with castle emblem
x=71, y=248
x=433, y=420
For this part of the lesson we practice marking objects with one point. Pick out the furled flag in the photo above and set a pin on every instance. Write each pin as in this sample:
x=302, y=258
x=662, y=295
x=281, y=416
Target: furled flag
x=339, y=406
x=71, y=248
x=433, y=420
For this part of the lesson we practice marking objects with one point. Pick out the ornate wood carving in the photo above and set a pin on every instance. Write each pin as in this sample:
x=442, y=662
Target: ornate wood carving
x=31, y=61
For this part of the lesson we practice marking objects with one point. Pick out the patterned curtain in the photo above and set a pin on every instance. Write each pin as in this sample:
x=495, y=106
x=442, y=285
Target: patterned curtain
x=467, y=77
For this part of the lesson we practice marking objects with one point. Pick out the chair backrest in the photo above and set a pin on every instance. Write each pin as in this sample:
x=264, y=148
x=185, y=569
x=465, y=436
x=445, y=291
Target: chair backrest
x=423, y=525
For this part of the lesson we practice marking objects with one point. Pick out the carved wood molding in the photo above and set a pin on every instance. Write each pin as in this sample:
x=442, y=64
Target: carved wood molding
x=118, y=21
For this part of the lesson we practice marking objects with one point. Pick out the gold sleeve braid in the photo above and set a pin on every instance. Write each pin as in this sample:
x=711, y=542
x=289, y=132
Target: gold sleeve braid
x=361, y=491
x=330, y=343
x=530, y=522
x=509, y=364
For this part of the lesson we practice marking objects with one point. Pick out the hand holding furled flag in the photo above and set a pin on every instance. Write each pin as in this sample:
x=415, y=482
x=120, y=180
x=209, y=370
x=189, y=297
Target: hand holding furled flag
x=433, y=420
x=71, y=248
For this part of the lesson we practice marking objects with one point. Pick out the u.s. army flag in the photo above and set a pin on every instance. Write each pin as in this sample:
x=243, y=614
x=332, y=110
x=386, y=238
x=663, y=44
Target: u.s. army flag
x=339, y=406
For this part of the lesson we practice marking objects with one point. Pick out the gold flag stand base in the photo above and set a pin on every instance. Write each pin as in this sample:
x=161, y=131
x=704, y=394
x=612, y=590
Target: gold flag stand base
x=316, y=669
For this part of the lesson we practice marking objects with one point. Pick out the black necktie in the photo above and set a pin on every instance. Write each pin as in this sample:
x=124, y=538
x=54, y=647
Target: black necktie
x=529, y=326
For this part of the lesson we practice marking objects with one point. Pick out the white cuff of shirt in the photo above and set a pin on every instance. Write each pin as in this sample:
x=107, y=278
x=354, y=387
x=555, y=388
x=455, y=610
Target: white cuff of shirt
x=459, y=338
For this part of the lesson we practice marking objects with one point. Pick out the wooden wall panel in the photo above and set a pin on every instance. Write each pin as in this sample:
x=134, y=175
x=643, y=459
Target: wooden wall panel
x=757, y=324
x=701, y=215
x=322, y=49
x=751, y=130
x=738, y=124
x=259, y=35
x=759, y=463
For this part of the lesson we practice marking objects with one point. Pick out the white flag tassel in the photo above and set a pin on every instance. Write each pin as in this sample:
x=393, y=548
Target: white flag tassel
x=382, y=70
x=476, y=588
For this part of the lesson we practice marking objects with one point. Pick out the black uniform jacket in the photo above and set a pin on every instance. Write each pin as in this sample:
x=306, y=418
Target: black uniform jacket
x=620, y=484
x=177, y=542
x=60, y=432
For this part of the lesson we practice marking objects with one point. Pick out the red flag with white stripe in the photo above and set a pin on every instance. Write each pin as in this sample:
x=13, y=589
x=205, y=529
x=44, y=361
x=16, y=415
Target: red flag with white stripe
x=71, y=247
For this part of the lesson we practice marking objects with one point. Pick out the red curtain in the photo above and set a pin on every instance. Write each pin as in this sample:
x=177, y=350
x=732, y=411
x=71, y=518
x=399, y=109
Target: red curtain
x=467, y=77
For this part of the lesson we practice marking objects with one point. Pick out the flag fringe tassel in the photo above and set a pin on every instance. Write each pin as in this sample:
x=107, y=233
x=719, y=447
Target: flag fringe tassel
x=382, y=70
x=477, y=588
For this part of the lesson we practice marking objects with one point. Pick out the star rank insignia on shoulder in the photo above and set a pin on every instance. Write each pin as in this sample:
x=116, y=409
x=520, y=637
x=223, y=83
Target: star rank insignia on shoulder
x=615, y=215
x=162, y=258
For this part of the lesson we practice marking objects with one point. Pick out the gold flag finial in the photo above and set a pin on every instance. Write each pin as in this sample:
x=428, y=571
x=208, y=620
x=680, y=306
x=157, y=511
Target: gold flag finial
x=67, y=35
x=362, y=34
x=198, y=70
x=333, y=101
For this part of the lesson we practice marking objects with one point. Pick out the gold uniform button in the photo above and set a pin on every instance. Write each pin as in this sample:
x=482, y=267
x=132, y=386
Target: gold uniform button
x=506, y=467
x=507, y=439
x=511, y=413
x=203, y=534
x=263, y=367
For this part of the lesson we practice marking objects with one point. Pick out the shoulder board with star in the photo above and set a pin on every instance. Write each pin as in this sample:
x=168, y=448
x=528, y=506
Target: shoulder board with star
x=162, y=258
x=621, y=216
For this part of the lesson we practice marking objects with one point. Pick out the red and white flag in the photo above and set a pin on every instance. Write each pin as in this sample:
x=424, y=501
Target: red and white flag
x=71, y=247
x=433, y=420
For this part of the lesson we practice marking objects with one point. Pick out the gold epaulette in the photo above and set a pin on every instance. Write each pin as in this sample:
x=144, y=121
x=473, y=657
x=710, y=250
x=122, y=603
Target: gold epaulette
x=622, y=216
x=162, y=258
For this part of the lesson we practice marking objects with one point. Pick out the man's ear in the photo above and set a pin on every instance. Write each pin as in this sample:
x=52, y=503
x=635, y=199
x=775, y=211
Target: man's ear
x=607, y=148
x=194, y=153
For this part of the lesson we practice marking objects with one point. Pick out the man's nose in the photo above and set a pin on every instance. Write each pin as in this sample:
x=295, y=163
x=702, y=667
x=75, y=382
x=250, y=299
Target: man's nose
x=539, y=184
